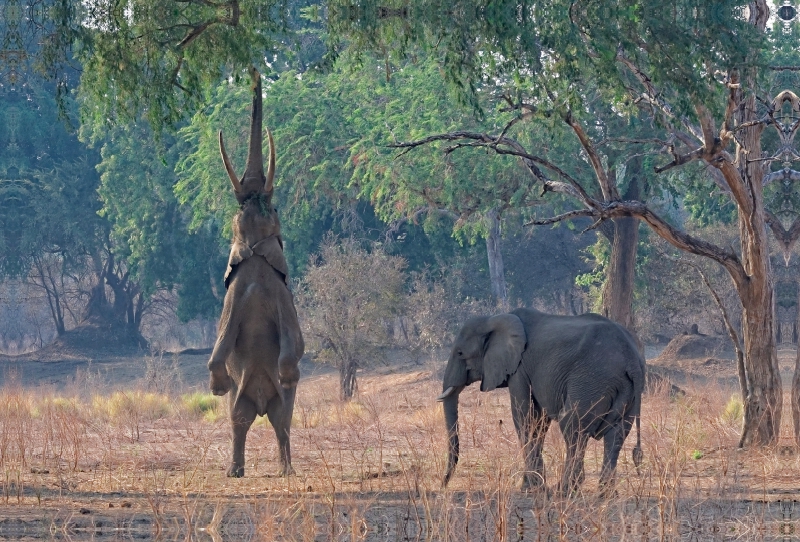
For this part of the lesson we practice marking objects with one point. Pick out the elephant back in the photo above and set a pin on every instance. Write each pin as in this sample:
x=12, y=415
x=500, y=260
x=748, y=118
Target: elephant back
x=589, y=348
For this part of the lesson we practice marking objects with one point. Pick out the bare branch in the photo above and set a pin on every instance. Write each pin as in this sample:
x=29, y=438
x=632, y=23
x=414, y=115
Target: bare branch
x=677, y=238
x=497, y=144
x=681, y=159
x=608, y=189
x=787, y=238
x=633, y=141
x=560, y=218
x=651, y=95
x=195, y=32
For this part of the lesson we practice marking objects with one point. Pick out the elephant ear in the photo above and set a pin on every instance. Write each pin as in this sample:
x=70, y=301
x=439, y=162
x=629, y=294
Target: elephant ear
x=239, y=253
x=505, y=343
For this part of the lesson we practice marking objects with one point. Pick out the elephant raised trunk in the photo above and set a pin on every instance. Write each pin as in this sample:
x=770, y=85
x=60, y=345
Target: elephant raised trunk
x=253, y=180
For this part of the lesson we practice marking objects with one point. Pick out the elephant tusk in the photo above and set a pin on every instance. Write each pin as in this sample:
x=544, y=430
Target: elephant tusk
x=446, y=393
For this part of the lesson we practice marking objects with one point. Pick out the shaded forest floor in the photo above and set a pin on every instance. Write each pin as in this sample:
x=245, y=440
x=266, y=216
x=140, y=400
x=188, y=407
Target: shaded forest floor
x=126, y=446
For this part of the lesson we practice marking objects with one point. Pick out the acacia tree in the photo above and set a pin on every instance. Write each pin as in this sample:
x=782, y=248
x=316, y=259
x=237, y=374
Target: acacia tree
x=706, y=102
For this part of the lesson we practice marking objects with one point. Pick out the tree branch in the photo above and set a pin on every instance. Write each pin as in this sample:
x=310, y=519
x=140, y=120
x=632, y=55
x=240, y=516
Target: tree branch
x=580, y=213
x=681, y=159
x=677, y=238
x=786, y=238
x=496, y=143
x=608, y=189
x=651, y=95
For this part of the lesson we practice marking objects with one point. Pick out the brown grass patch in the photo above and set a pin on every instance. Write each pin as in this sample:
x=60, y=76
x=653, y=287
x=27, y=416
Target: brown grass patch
x=372, y=469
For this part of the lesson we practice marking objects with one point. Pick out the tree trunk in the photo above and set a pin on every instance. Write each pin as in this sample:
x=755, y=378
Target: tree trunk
x=123, y=316
x=48, y=284
x=763, y=402
x=98, y=307
x=495, y=256
x=347, y=379
x=796, y=379
x=621, y=271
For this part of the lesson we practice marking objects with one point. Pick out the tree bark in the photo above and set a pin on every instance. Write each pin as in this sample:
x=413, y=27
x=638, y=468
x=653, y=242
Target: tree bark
x=621, y=273
x=495, y=256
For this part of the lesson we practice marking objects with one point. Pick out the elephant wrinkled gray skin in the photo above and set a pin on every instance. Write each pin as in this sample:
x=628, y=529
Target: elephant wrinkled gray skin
x=585, y=371
x=259, y=343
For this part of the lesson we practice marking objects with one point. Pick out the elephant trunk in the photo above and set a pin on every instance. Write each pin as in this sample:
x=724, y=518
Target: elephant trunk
x=450, y=401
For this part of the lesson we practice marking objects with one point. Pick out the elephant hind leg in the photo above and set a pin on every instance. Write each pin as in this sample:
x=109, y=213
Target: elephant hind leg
x=612, y=445
x=573, y=465
x=279, y=412
x=243, y=413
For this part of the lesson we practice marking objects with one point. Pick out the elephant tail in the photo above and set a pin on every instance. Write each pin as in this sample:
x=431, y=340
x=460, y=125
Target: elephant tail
x=638, y=455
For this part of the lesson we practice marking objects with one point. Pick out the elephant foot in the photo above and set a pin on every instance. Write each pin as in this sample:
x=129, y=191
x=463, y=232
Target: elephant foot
x=286, y=470
x=288, y=375
x=608, y=490
x=220, y=382
x=532, y=482
x=235, y=471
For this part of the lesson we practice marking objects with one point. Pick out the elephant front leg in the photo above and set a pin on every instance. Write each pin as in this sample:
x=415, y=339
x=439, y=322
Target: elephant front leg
x=233, y=309
x=279, y=413
x=531, y=425
x=243, y=413
x=220, y=381
x=291, y=342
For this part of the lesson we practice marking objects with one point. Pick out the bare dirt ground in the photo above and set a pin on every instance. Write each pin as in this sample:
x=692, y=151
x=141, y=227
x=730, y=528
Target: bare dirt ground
x=110, y=446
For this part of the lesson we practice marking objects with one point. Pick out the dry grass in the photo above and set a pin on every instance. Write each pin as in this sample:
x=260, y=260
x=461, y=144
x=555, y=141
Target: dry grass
x=371, y=469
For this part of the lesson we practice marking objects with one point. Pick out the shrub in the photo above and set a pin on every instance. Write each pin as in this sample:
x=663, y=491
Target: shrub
x=347, y=299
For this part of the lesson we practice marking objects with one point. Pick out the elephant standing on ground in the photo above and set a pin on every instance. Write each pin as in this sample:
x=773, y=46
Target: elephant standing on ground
x=584, y=371
x=259, y=343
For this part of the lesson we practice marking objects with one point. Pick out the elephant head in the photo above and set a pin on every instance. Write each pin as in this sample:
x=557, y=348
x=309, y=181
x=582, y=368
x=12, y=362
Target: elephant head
x=488, y=349
x=257, y=218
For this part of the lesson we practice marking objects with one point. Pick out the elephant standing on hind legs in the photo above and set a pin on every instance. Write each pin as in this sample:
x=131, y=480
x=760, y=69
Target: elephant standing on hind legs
x=259, y=343
x=585, y=371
